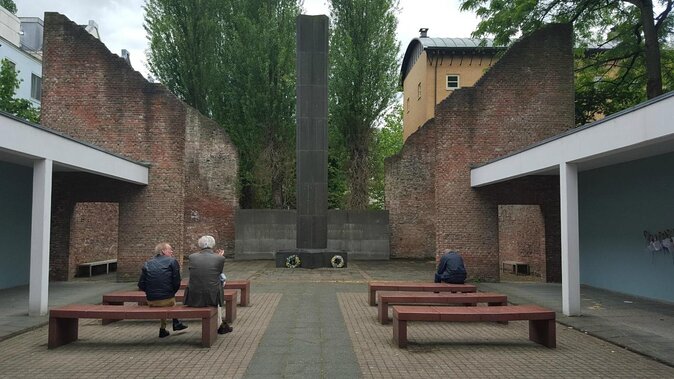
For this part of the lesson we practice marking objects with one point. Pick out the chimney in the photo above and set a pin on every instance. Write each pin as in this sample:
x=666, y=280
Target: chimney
x=423, y=33
x=127, y=56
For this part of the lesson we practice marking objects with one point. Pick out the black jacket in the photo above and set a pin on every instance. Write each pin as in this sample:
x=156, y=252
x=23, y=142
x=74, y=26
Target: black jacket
x=451, y=269
x=160, y=278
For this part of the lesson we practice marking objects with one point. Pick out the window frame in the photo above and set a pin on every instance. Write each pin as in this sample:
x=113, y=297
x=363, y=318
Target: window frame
x=458, y=82
x=36, y=89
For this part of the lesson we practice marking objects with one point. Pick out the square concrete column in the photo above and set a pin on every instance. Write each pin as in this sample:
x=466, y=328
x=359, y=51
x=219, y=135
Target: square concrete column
x=312, y=132
x=39, y=238
x=568, y=186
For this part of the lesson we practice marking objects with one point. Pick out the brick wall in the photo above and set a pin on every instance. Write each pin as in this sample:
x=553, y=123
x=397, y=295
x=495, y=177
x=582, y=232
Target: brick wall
x=95, y=96
x=525, y=97
x=410, y=194
x=93, y=234
x=522, y=236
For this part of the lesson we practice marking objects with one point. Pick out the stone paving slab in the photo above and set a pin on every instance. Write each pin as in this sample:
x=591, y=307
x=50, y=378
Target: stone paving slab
x=128, y=349
x=484, y=350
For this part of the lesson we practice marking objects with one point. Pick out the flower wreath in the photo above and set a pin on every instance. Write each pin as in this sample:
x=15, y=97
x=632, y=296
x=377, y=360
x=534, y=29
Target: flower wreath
x=293, y=261
x=337, y=261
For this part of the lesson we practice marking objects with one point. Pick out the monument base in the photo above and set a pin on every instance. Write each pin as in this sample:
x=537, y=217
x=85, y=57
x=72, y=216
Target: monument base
x=311, y=258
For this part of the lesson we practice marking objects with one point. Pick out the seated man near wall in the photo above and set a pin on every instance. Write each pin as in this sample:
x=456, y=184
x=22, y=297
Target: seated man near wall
x=160, y=279
x=450, y=268
x=205, y=287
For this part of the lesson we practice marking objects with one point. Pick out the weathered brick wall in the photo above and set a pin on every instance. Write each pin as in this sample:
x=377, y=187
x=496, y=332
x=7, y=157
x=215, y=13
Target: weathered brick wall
x=95, y=96
x=93, y=234
x=410, y=195
x=527, y=96
x=522, y=236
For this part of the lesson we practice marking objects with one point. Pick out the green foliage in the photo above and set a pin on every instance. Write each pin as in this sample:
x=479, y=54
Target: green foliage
x=9, y=5
x=363, y=83
x=388, y=142
x=627, y=67
x=9, y=83
x=233, y=60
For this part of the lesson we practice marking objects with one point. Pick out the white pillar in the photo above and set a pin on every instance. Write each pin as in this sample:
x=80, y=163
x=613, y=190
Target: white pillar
x=39, y=238
x=568, y=187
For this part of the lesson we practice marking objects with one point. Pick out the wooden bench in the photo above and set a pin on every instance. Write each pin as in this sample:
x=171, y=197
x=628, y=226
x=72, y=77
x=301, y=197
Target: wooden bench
x=386, y=298
x=88, y=266
x=138, y=297
x=541, y=320
x=242, y=285
x=516, y=267
x=375, y=286
x=64, y=321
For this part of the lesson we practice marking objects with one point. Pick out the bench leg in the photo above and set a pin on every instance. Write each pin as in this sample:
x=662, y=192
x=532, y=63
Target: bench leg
x=543, y=332
x=209, y=330
x=399, y=333
x=230, y=311
x=498, y=304
x=372, y=299
x=245, y=296
x=107, y=321
x=382, y=312
x=62, y=331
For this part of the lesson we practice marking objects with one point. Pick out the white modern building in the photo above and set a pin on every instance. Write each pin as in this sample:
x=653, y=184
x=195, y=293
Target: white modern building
x=21, y=44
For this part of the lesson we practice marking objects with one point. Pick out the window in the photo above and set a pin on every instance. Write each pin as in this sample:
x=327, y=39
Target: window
x=453, y=82
x=35, y=87
x=419, y=91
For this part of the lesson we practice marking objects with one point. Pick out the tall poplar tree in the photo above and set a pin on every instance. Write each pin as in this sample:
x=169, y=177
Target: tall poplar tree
x=233, y=60
x=363, y=83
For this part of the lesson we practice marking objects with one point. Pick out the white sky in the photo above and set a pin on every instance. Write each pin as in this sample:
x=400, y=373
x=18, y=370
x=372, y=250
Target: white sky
x=120, y=22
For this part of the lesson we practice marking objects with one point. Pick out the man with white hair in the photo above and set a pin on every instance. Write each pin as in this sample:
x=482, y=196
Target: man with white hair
x=206, y=282
x=450, y=268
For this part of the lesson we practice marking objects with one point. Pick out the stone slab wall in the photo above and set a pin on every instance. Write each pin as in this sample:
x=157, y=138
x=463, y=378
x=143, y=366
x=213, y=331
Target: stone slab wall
x=261, y=232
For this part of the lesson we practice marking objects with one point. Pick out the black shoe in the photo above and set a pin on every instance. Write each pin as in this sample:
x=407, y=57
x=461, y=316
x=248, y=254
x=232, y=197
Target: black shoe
x=179, y=326
x=163, y=333
x=224, y=329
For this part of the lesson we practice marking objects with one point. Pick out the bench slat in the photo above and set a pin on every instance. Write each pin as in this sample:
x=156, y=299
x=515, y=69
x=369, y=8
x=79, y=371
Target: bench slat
x=375, y=286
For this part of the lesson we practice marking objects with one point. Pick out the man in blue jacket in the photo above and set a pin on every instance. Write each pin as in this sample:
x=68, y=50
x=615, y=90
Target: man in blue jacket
x=160, y=279
x=450, y=268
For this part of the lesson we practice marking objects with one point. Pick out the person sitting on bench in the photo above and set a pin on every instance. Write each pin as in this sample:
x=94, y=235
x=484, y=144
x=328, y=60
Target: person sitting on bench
x=450, y=268
x=160, y=279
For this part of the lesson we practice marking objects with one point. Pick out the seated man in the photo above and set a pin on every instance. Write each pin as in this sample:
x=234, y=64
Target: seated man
x=450, y=268
x=205, y=287
x=160, y=279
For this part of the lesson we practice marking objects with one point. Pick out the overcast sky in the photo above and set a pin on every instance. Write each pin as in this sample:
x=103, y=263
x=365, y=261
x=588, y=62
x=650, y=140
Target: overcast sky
x=120, y=22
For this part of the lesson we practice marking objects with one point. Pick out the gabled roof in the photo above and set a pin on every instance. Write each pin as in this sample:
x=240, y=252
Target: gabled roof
x=444, y=45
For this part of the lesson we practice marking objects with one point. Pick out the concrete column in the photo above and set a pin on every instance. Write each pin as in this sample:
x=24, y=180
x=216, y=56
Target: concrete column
x=39, y=240
x=312, y=132
x=568, y=186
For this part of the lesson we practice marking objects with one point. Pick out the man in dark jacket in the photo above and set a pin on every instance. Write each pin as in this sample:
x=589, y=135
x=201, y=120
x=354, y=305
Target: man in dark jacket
x=450, y=268
x=205, y=287
x=160, y=279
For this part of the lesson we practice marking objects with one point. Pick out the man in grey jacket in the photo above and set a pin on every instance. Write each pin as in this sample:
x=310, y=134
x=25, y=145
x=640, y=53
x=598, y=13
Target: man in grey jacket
x=205, y=287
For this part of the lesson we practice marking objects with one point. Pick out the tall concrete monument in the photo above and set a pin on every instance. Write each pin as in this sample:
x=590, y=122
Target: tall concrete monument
x=312, y=132
x=312, y=148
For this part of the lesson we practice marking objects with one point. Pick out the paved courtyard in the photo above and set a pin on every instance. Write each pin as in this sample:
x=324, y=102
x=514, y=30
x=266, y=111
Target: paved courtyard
x=317, y=324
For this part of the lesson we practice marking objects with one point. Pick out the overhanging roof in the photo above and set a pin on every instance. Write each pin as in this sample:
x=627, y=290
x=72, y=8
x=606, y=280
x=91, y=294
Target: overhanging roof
x=23, y=142
x=642, y=131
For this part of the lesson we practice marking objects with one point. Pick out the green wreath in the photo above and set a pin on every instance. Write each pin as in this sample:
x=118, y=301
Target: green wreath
x=337, y=261
x=293, y=261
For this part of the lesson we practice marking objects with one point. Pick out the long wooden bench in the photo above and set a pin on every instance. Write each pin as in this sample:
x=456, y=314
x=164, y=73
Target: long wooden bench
x=110, y=265
x=64, y=321
x=242, y=285
x=138, y=297
x=541, y=320
x=386, y=298
x=375, y=286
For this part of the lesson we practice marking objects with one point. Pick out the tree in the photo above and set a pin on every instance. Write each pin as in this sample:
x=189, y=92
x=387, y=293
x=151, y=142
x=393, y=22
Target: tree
x=9, y=83
x=9, y=5
x=628, y=33
x=233, y=60
x=363, y=82
x=388, y=142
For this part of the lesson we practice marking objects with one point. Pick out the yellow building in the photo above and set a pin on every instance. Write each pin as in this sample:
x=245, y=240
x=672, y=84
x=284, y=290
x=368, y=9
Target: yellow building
x=434, y=67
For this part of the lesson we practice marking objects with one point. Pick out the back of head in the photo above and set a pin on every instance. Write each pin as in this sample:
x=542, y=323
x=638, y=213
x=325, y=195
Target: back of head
x=159, y=249
x=206, y=242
